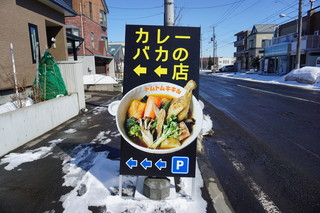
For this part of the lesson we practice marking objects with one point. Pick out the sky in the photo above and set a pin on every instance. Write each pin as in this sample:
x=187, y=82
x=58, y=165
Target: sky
x=228, y=17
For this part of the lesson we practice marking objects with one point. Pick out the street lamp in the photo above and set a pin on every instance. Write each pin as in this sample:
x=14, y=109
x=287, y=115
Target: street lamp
x=285, y=15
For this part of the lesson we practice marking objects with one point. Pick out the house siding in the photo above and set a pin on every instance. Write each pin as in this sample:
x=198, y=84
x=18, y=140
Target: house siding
x=15, y=16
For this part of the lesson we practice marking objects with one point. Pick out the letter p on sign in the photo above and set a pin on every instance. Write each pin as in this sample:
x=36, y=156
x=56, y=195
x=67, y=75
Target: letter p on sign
x=180, y=165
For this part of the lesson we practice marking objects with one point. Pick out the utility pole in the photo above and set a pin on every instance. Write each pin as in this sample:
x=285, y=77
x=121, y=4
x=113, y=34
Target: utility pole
x=299, y=34
x=168, y=13
x=214, y=51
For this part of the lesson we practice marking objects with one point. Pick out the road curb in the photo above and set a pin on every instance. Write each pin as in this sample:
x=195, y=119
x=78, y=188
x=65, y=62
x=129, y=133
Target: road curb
x=219, y=199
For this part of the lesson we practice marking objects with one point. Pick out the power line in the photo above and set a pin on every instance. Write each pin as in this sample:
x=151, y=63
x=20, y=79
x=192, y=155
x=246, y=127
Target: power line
x=229, y=12
x=142, y=17
x=210, y=7
x=240, y=12
x=136, y=8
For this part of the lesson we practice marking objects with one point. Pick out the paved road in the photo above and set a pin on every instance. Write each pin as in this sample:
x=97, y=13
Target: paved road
x=266, y=146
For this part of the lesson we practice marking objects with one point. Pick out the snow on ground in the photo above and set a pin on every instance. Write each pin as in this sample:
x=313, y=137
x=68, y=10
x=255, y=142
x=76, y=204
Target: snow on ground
x=293, y=78
x=99, y=109
x=13, y=105
x=98, y=79
x=94, y=181
x=70, y=131
x=16, y=159
x=94, y=185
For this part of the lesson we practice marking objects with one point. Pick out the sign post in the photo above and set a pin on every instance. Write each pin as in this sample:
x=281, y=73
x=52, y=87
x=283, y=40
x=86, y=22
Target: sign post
x=160, y=54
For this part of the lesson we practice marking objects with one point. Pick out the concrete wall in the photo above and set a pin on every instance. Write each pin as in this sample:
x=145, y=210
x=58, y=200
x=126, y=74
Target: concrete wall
x=71, y=72
x=20, y=126
x=88, y=63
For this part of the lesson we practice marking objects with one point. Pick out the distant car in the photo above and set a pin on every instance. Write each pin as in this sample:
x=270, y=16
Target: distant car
x=228, y=68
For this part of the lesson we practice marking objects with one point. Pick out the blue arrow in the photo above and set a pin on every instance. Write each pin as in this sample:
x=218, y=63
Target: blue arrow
x=146, y=163
x=132, y=163
x=161, y=164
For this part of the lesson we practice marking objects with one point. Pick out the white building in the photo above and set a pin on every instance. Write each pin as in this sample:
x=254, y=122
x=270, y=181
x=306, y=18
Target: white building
x=225, y=61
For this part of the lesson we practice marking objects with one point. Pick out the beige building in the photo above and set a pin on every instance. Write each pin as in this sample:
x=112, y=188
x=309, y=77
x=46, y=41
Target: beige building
x=257, y=39
x=23, y=24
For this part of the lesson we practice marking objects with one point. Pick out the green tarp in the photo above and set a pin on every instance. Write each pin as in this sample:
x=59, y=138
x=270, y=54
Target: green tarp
x=50, y=80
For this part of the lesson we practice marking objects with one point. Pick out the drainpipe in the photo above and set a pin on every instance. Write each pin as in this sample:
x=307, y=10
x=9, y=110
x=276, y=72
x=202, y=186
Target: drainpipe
x=82, y=32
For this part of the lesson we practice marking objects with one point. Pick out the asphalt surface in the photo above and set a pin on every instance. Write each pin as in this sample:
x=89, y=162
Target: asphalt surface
x=37, y=186
x=265, y=150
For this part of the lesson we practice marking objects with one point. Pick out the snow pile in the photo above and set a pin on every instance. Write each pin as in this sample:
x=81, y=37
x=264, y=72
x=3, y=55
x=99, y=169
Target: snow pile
x=305, y=75
x=92, y=175
x=10, y=106
x=98, y=79
x=7, y=107
x=94, y=179
x=16, y=159
x=252, y=71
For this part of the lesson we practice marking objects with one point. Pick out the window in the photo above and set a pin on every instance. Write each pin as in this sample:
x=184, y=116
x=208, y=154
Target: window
x=103, y=18
x=90, y=9
x=34, y=40
x=105, y=39
x=73, y=31
x=92, y=40
x=251, y=44
x=263, y=44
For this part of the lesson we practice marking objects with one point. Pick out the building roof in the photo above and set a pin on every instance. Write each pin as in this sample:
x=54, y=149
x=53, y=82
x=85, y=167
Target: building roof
x=263, y=28
x=114, y=48
x=105, y=5
x=247, y=32
x=74, y=37
x=60, y=6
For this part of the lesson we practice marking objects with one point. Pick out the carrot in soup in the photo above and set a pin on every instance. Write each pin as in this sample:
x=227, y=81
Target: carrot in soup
x=136, y=109
x=149, y=110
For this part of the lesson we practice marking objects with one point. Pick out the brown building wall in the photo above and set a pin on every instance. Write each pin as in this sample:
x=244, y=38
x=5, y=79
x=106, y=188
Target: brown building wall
x=89, y=27
x=15, y=16
x=314, y=22
x=96, y=7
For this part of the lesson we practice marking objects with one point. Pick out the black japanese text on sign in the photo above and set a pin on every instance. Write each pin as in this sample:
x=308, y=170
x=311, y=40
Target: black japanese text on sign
x=158, y=53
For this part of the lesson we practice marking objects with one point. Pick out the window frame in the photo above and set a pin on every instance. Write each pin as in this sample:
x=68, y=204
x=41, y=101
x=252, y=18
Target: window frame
x=103, y=18
x=90, y=10
x=34, y=38
x=92, y=40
